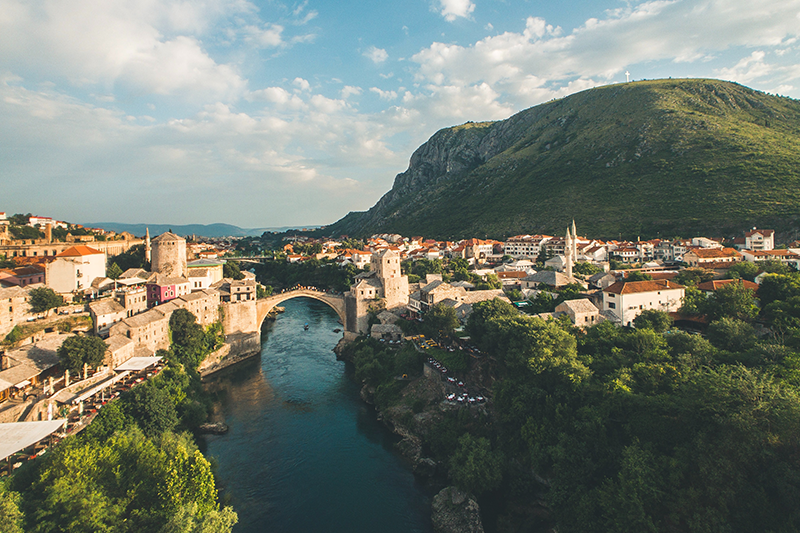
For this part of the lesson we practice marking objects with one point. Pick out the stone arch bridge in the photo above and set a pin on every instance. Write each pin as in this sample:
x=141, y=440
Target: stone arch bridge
x=265, y=305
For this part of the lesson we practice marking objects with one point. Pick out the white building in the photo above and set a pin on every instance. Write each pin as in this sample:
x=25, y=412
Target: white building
x=759, y=239
x=75, y=268
x=625, y=300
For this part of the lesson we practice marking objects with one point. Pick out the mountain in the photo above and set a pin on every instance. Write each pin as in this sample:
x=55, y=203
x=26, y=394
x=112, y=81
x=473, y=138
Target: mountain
x=648, y=158
x=201, y=230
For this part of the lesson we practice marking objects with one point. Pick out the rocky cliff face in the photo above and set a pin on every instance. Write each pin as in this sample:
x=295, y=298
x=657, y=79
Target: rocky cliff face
x=636, y=159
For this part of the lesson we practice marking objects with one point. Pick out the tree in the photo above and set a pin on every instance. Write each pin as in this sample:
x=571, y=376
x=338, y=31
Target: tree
x=638, y=275
x=658, y=321
x=114, y=271
x=44, y=298
x=152, y=409
x=731, y=300
x=78, y=350
x=585, y=268
x=263, y=291
x=743, y=270
x=10, y=515
x=231, y=270
x=693, y=276
x=731, y=334
x=5, y=262
x=441, y=319
x=187, y=338
x=133, y=258
x=473, y=466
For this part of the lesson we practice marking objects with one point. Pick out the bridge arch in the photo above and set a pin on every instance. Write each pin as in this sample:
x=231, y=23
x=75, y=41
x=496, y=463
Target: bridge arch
x=265, y=305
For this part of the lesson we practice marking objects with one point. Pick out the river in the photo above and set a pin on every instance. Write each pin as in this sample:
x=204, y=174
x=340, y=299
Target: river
x=304, y=453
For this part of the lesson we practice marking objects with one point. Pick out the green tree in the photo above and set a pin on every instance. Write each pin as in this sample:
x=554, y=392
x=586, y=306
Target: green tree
x=778, y=287
x=78, y=350
x=152, y=409
x=133, y=258
x=188, y=338
x=658, y=321
x=731, y=300
x=44, y=298
x=474, y=467
x=188, y=519
x=5, y=262
x=10, y=514
x=585, y=268
x=694, y=276
x=731, y=334
x=263, y=291
x=743, y=270
x=441, y=319
x=114, y=271
x=638, y=275
x=231, y=270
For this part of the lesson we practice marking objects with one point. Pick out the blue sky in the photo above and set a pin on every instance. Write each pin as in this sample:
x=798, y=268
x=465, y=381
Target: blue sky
x=271, y=113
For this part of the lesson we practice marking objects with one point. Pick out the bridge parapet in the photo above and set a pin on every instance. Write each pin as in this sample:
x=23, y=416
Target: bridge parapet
x=265, y=305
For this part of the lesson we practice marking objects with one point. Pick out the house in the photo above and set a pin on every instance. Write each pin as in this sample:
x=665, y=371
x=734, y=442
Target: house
x=582, y=312
x=787, y=257
x=231, y=290
x=624, y=300
x=105, y=313
x=163, y=288
x=711, y=286
x=13, y=308
x=547, y=277
x=602, y=280
x=712, y=257
x=202, y=273
x=149, y=330
x=525, y=246
x=29, y=365
x=759, y=239
x=75, y=268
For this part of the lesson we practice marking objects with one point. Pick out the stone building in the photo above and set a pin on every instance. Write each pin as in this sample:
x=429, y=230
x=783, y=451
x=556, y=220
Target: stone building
x=75, y=268
x=383, y=287
x=13, y=308
x=168, y=253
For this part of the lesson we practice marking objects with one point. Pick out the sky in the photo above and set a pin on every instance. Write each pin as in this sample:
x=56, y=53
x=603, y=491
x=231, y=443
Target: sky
x=267, y=113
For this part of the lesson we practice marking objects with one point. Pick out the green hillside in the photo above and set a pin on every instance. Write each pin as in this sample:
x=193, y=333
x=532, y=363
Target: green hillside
x=664, y=157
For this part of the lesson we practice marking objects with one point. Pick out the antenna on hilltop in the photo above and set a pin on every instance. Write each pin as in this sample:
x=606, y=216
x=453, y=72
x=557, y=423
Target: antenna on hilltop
x=627, y=77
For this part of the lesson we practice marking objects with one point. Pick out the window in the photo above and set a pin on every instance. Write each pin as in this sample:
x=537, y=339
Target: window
x=612, y=305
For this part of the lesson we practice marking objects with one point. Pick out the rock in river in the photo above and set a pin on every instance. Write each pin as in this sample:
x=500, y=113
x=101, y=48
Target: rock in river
x=455, y=511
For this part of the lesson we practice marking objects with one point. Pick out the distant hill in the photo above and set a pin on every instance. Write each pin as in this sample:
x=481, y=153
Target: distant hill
x=201, y=230
x=650, y=158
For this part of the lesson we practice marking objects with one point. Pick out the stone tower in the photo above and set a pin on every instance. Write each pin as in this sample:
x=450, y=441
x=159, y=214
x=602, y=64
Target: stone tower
x=168, y=253
x=147, y=255
x=386, y=265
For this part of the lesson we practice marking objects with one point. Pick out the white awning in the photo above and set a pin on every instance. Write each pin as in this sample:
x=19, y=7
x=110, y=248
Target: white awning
x=135, y=364
x=22, y=384
x=91, y=391
x=16, y=436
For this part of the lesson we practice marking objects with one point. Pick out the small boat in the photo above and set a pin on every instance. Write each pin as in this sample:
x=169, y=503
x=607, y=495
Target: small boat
x=337, y=330
x=305, y=327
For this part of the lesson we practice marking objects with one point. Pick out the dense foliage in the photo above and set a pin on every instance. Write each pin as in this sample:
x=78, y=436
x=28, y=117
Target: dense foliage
x=131, y=469
x=312, y=272
x=78, y=350
x=43, y=298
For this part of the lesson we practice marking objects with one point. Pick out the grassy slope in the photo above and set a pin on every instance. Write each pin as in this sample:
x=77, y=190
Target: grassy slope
x=661, y=157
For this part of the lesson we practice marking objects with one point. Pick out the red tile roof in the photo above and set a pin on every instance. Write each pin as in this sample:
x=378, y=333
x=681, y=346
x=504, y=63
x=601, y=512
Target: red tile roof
x=631, y=287
x=714, y=253
x=717, y=283
x=79, y=250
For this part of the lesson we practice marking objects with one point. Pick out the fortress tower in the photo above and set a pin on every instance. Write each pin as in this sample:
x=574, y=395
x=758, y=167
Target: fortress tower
x=386, y=265
x=168, y=255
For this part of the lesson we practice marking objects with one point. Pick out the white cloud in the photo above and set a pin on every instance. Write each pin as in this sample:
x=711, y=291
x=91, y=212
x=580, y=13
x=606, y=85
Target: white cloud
x=529, y=63
x=748, y=69
x=384, y=95
x=349, y=91
x=269, y=36
x=301, y=84
x=377, y=55
x=453, y=9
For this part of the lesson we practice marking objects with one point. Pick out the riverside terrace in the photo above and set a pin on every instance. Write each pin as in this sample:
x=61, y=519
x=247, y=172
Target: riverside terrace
x=458, y=389
x=24, y=441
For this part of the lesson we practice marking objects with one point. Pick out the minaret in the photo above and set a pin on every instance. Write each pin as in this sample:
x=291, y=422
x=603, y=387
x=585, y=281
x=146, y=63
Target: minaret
x=568, y=254
x=574, y=242
x=147, y=245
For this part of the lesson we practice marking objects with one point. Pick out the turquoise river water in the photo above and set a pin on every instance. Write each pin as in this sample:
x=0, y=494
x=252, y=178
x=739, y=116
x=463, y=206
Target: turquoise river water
x=304, y=453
